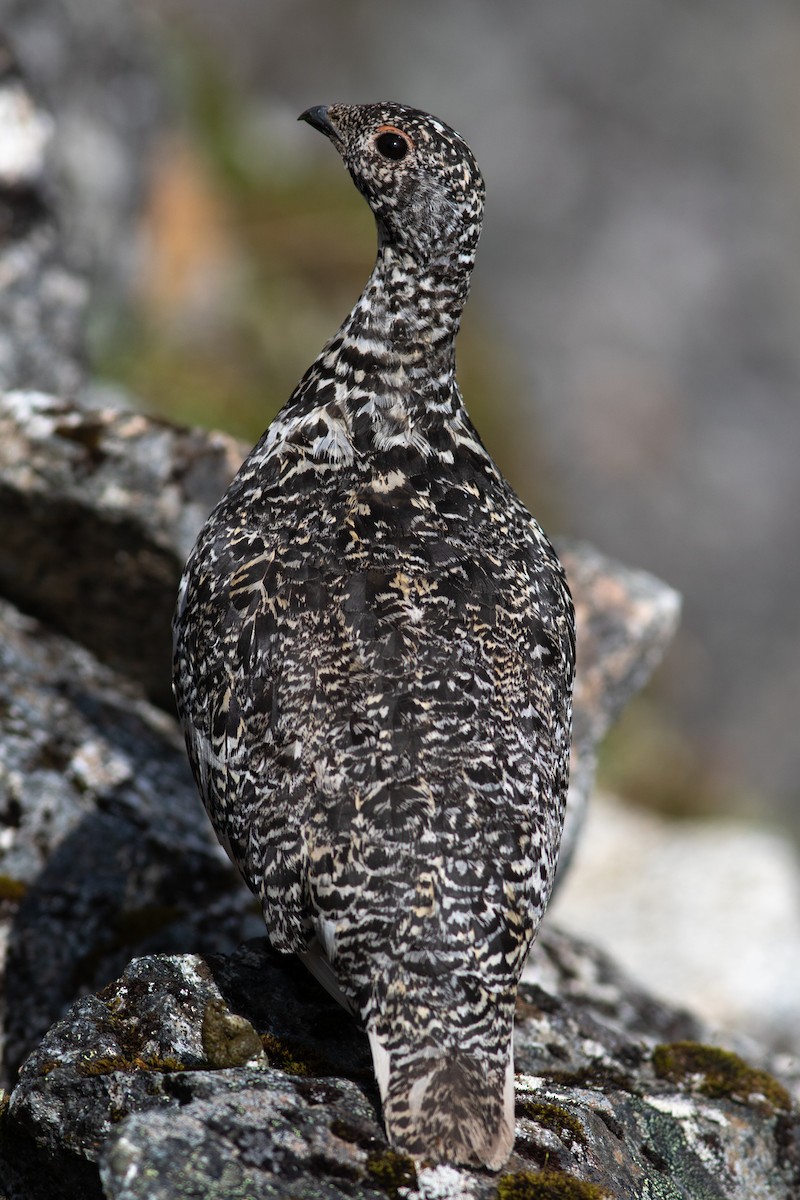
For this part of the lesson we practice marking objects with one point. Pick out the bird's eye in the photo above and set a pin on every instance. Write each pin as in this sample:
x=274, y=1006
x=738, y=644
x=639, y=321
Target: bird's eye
x=391, y=145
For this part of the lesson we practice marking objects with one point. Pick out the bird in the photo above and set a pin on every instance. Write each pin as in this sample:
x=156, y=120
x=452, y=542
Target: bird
x=374, y=660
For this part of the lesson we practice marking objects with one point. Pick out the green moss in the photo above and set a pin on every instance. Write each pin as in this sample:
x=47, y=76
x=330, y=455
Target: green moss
x=228, y=1040
x=547, y=1185
x=162, y=1065
x=111, y=1063
x=390, y=1171
x=107, y=1064
x=48, y=1065
x=294, y=1060
x=12, y=889
x=558, y=1120
x=718, y=1074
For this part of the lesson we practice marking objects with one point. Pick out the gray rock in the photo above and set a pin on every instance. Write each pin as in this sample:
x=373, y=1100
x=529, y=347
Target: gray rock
x=100, y=509
x=93, y=67
x=613, y=1088
x=42, y=302
x=625, y=619
x=249, y=1134
x=105, y=850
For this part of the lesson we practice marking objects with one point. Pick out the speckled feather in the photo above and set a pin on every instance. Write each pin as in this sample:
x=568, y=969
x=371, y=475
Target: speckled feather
x=374, y=650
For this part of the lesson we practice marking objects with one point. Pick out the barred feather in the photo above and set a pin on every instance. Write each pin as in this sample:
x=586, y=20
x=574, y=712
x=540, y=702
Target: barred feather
x=374, y=651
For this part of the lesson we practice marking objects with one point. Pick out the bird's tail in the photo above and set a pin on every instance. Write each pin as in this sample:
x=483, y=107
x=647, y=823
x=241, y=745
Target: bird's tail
x=446, y=1104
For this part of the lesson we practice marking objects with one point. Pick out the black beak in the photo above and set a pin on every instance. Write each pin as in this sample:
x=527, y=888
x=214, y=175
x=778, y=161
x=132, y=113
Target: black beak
x=318, y=117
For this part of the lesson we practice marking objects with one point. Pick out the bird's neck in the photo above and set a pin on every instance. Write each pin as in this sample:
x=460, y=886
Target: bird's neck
x=413, y=306
x=399, y=339
x=386, y=381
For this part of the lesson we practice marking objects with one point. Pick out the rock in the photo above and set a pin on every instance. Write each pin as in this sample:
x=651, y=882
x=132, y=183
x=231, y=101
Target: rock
x=80, y=488
x=250, y=1134
x=625, y=619
x=104, y=850
x=707, y=912
x=94, y=69
x=42, y=302
x=614, y=1089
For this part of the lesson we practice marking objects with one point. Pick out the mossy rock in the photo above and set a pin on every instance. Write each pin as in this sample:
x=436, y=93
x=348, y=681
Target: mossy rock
x=554, y=1117
x=390, y=1171
x=228, y=1039
x=547, y=1185
x=112, y=1063
x=293, y=1059
x=12, y=889
x=718, y=1074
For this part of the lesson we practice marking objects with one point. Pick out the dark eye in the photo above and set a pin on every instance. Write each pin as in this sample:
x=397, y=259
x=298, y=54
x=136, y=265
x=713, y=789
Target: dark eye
x=391, y=145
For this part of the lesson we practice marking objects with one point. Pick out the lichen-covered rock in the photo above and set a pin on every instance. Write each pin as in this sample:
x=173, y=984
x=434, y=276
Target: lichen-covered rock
x=100, y=511
x=249, y=1134
x=104, y=850
x=42, y=302
x=617, y=1095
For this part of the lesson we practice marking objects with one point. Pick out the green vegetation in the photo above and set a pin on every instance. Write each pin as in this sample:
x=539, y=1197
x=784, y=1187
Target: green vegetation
x=293, y=1059
x=554, y=1117
x=12, y=889
x=109, y=1064
x=547, y=1185
x=254, y=261
x=390, y=1171
x=228, y=1039
x=718, y=1074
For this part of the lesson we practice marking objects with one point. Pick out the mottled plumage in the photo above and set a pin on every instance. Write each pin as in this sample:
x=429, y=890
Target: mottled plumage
x=374, y=661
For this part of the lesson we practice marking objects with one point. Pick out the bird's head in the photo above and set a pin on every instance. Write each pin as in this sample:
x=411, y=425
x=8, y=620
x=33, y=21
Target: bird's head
x=417, y=174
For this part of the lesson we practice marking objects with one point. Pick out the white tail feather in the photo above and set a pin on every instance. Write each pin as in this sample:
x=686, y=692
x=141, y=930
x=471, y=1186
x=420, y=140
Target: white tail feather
x=445, y=1105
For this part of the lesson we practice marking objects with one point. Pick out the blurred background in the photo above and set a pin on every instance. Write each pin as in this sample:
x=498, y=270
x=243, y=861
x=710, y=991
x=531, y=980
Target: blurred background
x=631, y=352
